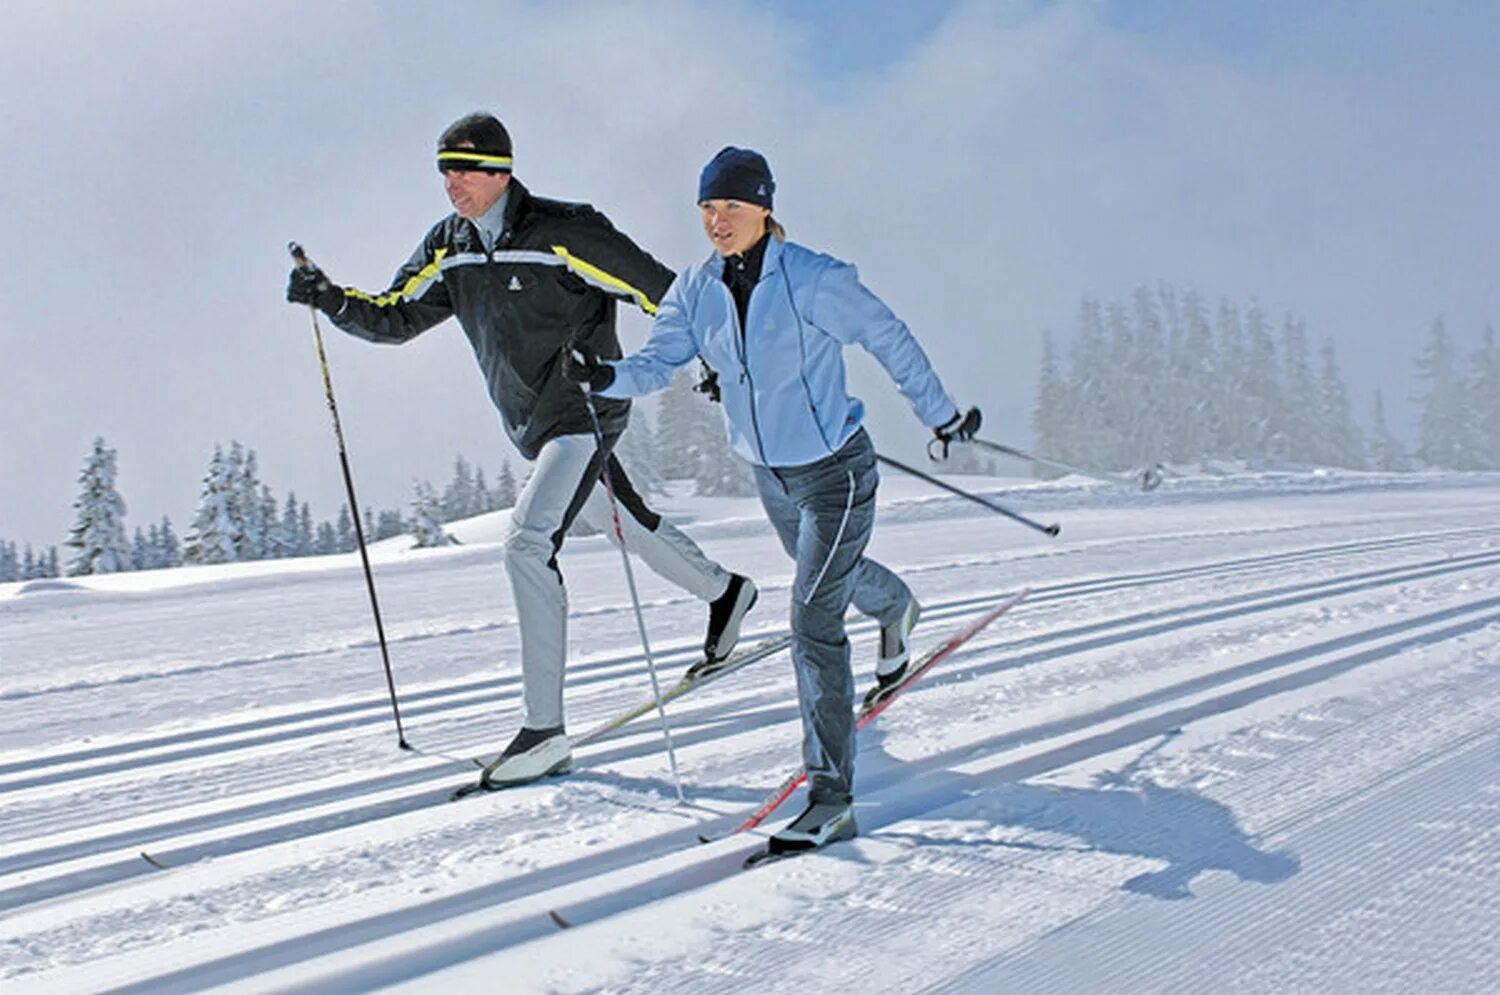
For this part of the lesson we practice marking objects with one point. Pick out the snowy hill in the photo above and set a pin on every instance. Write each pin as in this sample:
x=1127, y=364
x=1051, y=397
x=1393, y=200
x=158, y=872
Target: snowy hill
x=1240, y=737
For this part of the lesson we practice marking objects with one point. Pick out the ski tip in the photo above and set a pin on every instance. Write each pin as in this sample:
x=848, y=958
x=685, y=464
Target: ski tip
x=153, y=861
x=558, y=920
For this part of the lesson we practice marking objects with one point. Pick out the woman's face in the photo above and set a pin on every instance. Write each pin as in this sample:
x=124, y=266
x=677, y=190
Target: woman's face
x=733, y=225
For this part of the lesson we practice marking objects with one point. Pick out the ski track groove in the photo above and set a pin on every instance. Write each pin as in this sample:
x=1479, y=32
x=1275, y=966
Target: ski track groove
x=153, y=836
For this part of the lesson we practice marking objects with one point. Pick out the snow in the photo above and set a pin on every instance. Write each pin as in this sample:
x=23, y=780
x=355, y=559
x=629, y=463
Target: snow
x=1240, y=737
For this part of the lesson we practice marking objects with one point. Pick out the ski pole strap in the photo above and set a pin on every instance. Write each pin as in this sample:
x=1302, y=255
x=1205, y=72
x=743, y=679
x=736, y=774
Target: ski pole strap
x=1050, y=530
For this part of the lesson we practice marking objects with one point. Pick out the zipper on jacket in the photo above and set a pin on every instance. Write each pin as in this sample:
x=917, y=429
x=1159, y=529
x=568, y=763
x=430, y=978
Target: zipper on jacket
x=745, y=377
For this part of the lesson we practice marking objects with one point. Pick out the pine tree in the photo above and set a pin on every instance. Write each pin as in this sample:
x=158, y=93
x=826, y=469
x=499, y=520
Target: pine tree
x=1196, y=368
x=214, y=534
x=307, y=537
x=505, y=488
x=1385, y=452
x=1050, y=416
x=1442, y=421
x=484, y=499
x=390, y=523
x=1096, y=435
x=1347, y=445
x=140, y=551
x=99, y=531
x=10, y=562
x=426, y=518
x=1235, y=415
x=636, y=451
x=344, y=531
x=458, y=499
x=1483, y=391
x=169, y=549
x=1298, y=420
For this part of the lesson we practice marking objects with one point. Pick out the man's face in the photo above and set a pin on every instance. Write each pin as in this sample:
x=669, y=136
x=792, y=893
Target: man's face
x=733, y=225
x=473, y=191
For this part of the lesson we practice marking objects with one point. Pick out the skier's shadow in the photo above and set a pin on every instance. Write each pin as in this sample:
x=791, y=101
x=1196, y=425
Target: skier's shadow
x=1122, y=814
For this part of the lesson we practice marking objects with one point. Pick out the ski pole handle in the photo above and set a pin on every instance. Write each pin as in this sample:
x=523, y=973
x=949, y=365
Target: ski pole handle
x=298, y=256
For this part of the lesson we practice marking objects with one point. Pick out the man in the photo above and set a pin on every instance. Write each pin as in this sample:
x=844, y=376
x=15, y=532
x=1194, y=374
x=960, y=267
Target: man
x=528, y=278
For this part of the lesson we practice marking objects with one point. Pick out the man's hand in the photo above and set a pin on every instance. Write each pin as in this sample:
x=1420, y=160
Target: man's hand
x=585, y=369
x=308, y=285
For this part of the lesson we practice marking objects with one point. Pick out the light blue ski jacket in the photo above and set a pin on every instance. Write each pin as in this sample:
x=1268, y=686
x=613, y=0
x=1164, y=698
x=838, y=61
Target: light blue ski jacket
x=782, y=377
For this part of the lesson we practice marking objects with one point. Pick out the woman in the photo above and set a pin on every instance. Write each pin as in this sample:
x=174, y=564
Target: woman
x=773, y=319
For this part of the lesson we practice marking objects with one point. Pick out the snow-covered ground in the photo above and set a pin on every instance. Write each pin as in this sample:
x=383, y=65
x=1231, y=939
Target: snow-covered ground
x=1241, y=737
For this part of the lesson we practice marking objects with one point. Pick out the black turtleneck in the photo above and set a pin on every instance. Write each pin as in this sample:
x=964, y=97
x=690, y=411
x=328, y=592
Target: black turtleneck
x=742, y=273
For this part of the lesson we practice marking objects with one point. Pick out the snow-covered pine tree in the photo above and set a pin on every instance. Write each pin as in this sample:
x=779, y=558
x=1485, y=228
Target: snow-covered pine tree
x=1443, y=421
x=1147, y=374
x=140, y=551
x=1296, y=420
x=691, y=442
x=343, y=531
x=1095, y=436
x=1385, y=451
x=1483, y=391
x=289, y=528
x=325, y=540
x=426, y=518
x=505, y=488
x=389, y=523
x=458, y=498
x=169, y=547
x=245, y=503
x=213, y=536
x=307, y=536
x=679, y=429
x=99, y=531
x=1051, y=415
x=1196, y=367
x=637, y=452
x=1347, y=444
x=10, y=562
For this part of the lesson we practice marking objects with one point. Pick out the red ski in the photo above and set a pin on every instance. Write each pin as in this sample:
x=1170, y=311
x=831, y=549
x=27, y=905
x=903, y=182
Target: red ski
x=868, y=713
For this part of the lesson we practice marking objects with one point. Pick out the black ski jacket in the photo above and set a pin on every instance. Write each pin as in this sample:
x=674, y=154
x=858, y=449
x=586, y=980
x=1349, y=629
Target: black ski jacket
x=551, y=282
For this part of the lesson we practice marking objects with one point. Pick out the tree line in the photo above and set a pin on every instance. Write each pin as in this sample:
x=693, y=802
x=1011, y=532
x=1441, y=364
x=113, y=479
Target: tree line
x=1162, y=379
x=240, y=518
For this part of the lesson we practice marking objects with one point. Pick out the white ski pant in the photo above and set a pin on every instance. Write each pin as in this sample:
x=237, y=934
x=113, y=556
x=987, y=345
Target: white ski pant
x=565, y=484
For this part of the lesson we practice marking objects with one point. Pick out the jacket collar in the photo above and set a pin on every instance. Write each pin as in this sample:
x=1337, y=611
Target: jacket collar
x=772, y=261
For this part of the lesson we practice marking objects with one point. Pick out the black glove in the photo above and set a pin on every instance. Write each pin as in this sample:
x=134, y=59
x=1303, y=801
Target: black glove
x=584, y=368
x=960, y=428
x=308, y=285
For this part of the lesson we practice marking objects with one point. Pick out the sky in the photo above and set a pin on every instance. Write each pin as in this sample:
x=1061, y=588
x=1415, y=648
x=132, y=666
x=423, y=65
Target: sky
x=985, y=164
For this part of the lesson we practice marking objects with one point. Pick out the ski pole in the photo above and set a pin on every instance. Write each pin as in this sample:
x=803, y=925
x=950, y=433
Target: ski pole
x=1050, y=530
x=300, y=258
x=1148, y=480
x=635, y=598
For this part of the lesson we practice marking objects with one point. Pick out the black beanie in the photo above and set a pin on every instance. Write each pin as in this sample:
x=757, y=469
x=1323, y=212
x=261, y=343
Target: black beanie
x=488, y=140
x=737, y=174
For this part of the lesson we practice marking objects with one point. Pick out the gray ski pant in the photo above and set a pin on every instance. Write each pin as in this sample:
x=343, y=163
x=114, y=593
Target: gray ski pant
x=824, y=513
x=565, y=484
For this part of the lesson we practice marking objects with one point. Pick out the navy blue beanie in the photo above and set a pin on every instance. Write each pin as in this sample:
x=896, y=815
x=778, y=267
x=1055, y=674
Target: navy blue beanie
x=737, y=174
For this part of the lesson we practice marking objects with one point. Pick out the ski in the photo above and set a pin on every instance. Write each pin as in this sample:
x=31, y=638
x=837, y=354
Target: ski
x=697, y=675
x=868, y=713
